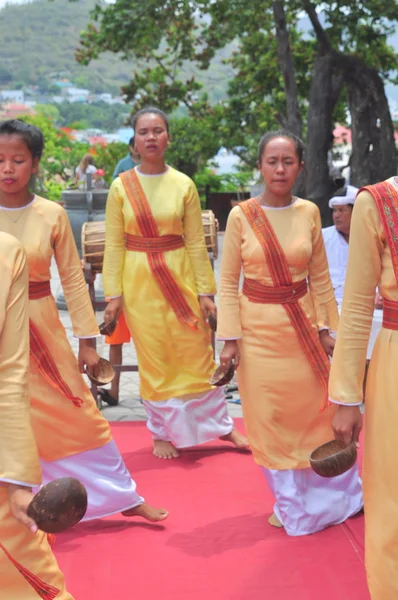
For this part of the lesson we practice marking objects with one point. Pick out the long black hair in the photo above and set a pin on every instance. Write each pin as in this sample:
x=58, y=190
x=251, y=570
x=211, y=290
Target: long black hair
x=31, y=135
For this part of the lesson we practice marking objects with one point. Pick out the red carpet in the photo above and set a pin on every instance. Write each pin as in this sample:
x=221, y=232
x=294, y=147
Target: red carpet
x=216, y=543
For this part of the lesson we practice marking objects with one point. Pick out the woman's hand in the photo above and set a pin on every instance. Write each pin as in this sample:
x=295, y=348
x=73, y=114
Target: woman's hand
x=113, y=310
x=230, y=353
x=19, y=498
x=347, y=424
x=378, y=301
x=88, y=357
x=327, y=341
x=207, y=307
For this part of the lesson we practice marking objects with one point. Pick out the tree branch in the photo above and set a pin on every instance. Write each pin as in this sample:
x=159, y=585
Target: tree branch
x=318, y=29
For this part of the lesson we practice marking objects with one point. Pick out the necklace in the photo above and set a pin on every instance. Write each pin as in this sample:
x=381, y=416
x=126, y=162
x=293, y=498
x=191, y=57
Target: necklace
x=259, y=198
x=7, y=212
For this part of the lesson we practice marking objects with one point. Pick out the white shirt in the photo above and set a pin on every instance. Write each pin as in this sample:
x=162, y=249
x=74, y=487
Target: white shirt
x=337, y=254
x=82, y=175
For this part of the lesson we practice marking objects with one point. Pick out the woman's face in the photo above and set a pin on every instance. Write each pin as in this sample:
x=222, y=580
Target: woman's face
x=16, y=164
x=280, y=166
x=151, y=137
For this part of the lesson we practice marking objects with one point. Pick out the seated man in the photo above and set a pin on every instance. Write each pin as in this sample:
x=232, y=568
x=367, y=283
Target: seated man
x=28, y=569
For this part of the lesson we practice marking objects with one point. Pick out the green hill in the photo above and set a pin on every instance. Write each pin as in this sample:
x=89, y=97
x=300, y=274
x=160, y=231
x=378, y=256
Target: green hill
x=38, y=41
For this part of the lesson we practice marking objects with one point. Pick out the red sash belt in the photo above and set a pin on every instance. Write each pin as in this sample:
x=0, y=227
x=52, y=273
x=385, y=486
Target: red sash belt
x=265, y=294
x=390, y=314
x=39, y=289
x=155, y=246
x=39, y=352
x=282, y=279
x=163, y=243
x=44, y=590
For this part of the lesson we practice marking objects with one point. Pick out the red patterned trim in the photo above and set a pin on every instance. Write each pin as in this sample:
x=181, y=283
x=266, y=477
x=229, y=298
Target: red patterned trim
x=386, y=197
x=162, y=243
x=390, y=314
x=44, y=590
x=281, y=277
x=265, y=294
x=46, y=364
x=39, y=289
x=147, y=225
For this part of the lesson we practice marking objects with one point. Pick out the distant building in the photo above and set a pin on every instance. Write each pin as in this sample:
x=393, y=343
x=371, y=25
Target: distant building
x=77, y=94
x=16, y=96
x=15, y=111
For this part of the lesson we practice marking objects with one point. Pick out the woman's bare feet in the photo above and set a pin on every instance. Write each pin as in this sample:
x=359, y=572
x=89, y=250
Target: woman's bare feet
x=162, y=449
x=237, y=439
x=147, y=512
x=274, y=521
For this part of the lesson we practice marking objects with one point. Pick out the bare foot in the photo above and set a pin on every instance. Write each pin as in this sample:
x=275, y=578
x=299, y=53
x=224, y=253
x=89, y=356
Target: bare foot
x=237, y=439
x=147, y=512
x=162, y=449
x=274, y=521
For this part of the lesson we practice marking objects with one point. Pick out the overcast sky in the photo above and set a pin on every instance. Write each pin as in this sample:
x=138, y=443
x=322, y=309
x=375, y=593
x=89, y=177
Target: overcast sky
x=4, y=2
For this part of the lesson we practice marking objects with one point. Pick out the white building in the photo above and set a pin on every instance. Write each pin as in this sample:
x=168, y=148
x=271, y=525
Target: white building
x=16, y=96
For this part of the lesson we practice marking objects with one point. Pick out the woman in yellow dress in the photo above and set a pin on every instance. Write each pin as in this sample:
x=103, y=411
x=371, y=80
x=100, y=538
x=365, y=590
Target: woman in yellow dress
x=156, y=268
x=72, y=436
x=28, y=569
x=278, y=333
x=372, y=262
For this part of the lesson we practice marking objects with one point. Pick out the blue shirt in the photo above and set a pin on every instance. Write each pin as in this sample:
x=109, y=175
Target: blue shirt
x=125, y=164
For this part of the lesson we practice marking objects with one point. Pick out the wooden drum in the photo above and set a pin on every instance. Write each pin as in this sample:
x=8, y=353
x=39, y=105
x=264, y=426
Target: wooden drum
x=93, y=244
x=210, y=230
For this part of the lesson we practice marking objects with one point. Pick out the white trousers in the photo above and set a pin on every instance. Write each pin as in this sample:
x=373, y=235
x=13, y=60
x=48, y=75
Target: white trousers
x=110, y=488
x=306, y=503
x=187, y=423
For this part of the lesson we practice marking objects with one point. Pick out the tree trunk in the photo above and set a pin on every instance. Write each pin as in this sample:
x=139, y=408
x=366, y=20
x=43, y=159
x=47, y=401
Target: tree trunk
x=324, y=93
x=293, y=121
x=374, y=156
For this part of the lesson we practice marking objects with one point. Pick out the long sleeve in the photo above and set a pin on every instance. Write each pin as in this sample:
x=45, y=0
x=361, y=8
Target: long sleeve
x=114, y=242
x=19, y=462
x=229, y=323
x=363, y=275
x=72, y=279
x=195, y=243
x=320, y=285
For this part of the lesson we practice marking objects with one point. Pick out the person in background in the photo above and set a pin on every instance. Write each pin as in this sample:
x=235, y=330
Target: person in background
x=27, y=565
x=85, y=166
x=121, y=335
x=128, y=162
x=336, y=240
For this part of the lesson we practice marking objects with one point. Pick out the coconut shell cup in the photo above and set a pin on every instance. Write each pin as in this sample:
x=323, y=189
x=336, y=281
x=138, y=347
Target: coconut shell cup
x=102, y=374
x=333, y=458
x=108, y=328
x=222, y=375
x=59, y=505
x=212, y=322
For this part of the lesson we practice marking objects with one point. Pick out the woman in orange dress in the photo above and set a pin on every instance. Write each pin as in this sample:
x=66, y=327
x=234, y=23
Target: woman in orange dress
x=72, y=436
x=277, y=330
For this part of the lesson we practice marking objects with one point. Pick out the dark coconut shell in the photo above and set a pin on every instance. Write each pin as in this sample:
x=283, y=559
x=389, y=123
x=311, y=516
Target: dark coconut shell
x=59, y=505
x=108, y=328
x=212, y=322
x=333, y=458
x=103, y=372
x=223, y=375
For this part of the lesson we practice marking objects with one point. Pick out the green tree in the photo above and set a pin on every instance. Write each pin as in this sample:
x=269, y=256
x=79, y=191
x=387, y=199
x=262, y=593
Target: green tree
x=280, y=74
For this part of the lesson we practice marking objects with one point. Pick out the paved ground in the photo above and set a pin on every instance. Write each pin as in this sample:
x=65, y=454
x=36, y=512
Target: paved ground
x=130, y=408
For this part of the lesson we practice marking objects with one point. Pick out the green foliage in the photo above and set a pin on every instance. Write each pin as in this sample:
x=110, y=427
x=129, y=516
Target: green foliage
x=162, y=36
x=97, y=115
x=107, y=157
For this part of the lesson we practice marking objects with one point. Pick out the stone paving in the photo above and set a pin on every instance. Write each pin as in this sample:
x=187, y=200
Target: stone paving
x=130, y=407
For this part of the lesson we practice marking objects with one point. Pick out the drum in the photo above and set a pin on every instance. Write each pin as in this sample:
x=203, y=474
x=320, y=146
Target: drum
x=93, y=244
x=210, y=231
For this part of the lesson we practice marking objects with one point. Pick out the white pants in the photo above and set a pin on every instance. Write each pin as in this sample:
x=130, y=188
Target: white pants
x=306, y=503
x=187, y=423
x=110, y=488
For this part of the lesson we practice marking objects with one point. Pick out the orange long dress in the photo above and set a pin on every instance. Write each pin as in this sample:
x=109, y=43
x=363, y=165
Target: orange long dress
x=19, y=461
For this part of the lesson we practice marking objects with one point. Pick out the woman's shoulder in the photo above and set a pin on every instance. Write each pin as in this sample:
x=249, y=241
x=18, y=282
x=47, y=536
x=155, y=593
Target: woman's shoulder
x=50, y=207
x=179, y=177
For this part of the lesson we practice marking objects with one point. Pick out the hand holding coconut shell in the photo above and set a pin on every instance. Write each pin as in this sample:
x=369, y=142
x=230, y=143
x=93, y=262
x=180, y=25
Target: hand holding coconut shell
x=58, y=505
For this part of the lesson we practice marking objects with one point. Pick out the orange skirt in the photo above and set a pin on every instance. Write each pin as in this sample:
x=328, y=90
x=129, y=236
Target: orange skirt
x=121, y=335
